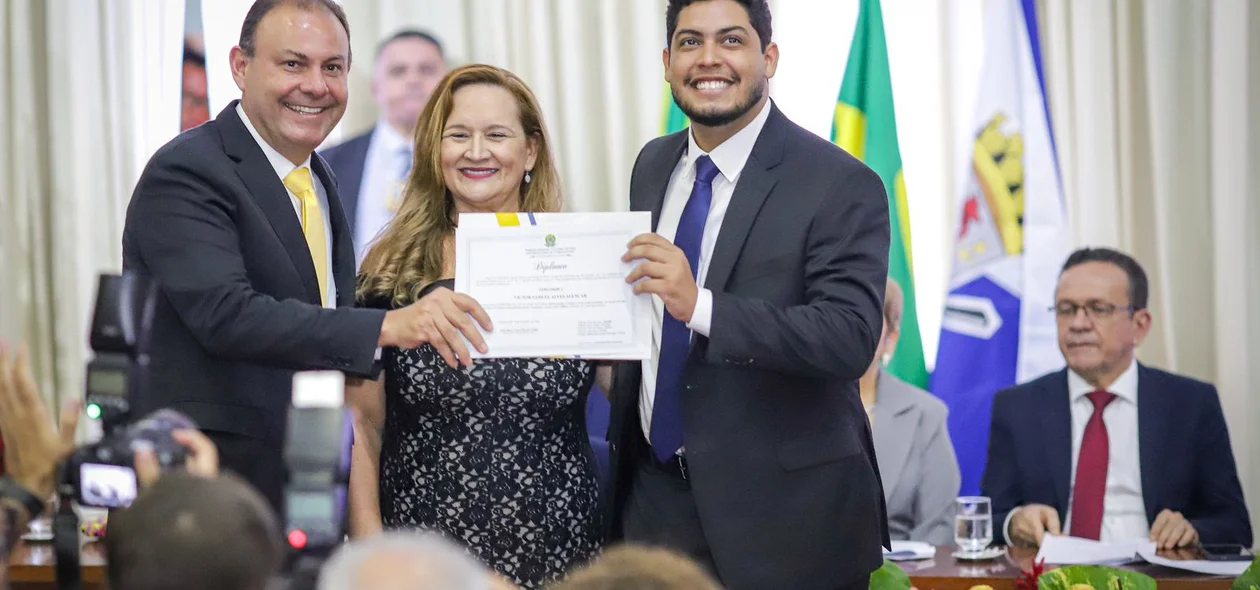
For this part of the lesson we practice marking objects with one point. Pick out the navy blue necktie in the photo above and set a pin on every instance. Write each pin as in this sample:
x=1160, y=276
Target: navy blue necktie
x=667, y=427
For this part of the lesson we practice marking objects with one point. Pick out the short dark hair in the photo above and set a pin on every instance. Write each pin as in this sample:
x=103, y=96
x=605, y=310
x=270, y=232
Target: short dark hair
x=758, y=15
x=249, y=29
x=194, y=533
x=1139, y=290
x=410, y=34
x=194, y=57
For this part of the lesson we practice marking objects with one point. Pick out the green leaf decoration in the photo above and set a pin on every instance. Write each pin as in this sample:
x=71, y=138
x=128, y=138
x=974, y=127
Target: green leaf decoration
x=1087, y=577
x=1250, y=579
x=890, y=577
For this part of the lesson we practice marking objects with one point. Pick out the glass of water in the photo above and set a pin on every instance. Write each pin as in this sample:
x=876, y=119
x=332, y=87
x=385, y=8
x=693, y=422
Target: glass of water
x=973, y=523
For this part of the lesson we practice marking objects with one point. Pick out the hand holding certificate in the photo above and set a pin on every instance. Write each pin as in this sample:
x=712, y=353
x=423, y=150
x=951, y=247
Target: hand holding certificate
x=554, y=284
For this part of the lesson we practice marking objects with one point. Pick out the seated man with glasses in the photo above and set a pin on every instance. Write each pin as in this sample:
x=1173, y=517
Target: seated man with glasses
x=1108, y=448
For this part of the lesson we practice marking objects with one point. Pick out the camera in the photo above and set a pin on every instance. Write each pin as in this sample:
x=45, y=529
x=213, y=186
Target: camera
x=318, y=441
x=101, y=475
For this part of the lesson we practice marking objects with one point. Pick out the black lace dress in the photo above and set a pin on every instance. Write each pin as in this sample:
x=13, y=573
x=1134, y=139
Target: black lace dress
x=495, y=457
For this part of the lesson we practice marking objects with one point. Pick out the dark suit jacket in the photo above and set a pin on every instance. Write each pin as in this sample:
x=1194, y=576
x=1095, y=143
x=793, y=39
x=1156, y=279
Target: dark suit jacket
x=347, y=161
x=780, y=452
x=240, y=307
x=1183, y=446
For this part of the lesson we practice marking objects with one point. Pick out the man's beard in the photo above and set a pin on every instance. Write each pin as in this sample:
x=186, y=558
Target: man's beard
x=720, y=118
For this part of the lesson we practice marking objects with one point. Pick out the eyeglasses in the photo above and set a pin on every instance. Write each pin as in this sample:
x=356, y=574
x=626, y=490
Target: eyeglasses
x=1097, y=310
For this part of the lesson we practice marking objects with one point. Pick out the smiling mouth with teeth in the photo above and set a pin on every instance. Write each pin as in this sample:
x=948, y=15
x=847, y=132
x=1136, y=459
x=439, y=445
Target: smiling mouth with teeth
x=306, y=110
x=478, y=172
x=712, y=84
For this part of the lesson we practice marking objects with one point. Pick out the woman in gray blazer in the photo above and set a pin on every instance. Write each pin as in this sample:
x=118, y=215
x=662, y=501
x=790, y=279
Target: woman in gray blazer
x=916, y=458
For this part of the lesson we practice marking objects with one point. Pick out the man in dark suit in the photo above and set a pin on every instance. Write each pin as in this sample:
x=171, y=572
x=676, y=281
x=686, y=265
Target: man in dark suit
x=373, y=167
x=742, y=441
x=242, y=229
x=1108, y=448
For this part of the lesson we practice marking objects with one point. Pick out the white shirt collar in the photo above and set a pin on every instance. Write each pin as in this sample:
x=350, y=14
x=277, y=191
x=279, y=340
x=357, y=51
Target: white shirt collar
x=390, y=140
x=281, y=164
x=1125, y=386
x=731, y=155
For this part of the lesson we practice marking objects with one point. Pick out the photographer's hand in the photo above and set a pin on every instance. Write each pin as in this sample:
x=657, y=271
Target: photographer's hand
x=203, y=458
x=33, y=448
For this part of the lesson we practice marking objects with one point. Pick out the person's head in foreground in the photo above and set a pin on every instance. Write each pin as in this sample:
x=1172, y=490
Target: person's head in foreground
x=482, y=147
x=194, y=533
x=636, y=567
x=405, y=560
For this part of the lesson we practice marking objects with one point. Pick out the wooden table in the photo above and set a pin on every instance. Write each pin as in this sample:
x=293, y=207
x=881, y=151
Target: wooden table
x=31, y=566
x=944, y=572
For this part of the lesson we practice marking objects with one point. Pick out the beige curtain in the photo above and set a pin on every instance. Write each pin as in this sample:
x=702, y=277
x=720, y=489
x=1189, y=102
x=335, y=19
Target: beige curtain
x=1153, y=103
x=91, y=90
x=1156, y=118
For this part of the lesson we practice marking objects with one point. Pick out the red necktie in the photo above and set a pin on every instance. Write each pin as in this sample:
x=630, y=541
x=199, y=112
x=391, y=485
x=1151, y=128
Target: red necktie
x=1091, y=472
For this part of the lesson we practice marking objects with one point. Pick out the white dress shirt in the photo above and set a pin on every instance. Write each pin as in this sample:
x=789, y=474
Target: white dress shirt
x=283, y=167
x=389, y=155
x=1124, y=511
x=730, y=158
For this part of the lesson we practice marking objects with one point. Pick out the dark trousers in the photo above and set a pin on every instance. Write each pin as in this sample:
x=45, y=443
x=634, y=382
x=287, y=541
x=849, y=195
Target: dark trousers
x=661, y=511
x=862, y=584
x=257, y=461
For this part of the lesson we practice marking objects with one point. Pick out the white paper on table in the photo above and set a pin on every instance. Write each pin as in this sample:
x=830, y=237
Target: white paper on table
x=525, y=268
x=1202, y=566
x=909, y=550
x=1061, y=550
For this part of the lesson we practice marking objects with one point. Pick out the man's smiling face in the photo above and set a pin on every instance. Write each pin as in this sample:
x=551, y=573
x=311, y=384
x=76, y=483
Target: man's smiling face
x=294, y=86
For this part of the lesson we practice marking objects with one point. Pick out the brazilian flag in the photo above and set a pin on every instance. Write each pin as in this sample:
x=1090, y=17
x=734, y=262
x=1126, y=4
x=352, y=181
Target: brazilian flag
x=866, y=127
x=674, y=120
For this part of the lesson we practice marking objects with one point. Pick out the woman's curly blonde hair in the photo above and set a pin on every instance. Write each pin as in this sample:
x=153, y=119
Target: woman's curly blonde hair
x=409, y=253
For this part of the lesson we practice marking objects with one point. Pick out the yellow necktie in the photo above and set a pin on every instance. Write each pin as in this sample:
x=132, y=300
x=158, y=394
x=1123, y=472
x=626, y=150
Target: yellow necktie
x=299, y=181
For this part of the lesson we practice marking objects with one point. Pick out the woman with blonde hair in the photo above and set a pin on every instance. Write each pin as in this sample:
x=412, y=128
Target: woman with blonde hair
x=492, y=452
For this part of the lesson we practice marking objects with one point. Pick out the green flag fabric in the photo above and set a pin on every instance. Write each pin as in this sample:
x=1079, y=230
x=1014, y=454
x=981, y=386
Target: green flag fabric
x=865, y=126
x=673, y=119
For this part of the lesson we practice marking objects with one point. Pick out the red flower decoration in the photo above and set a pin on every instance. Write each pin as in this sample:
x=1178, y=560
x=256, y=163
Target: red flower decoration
x=1028, y=580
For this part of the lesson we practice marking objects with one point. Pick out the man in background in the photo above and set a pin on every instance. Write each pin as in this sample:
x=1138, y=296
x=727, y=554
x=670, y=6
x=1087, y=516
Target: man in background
x=195, y=107
x=372, y=167
x=1108, y=448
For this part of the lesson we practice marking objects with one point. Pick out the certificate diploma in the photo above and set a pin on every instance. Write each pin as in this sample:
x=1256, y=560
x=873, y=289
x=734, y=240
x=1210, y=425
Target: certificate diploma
x=554, y=284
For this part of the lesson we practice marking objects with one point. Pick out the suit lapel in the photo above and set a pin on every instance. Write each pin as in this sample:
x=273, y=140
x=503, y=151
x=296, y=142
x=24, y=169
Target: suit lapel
x=655, y=180
x=754, y=186
x=894, y=430
x=1152, y=431
x=269, y=192
x=343, y=255
x=1056, y=422
x=351, y=178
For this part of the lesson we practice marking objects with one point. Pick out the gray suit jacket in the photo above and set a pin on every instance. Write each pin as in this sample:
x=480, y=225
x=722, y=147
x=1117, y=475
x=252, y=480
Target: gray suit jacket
x=916, y=461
